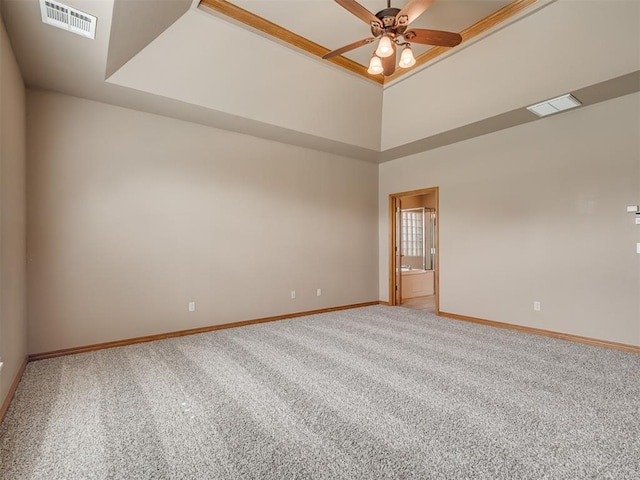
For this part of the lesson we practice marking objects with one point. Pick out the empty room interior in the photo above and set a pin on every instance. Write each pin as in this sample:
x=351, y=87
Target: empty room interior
x=320, y=239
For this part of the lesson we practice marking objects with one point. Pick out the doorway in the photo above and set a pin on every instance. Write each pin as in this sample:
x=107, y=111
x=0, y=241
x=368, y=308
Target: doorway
x=414, y=266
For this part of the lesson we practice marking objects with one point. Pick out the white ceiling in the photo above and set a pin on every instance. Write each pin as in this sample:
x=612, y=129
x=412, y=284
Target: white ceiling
x=171, y=58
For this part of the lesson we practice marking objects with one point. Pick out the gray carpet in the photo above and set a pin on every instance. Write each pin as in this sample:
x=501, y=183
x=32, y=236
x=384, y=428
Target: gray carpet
x=371, y=393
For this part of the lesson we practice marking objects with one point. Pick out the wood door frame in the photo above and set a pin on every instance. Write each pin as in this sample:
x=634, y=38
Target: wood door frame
x=392, y=242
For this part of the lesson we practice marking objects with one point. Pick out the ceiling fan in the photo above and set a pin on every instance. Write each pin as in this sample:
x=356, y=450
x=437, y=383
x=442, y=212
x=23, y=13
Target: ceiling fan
x=390, y=27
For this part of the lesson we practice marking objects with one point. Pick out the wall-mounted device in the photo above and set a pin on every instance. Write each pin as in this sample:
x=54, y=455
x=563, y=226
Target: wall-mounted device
x=634, y=209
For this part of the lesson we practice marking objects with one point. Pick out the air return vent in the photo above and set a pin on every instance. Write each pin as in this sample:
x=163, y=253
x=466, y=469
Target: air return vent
x=67, y=18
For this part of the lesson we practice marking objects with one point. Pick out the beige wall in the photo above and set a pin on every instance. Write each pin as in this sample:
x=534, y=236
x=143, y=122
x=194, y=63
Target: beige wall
x=132, y=216
x=307, y=96
x=13, y=321
x=537, y=213
x=490, y=77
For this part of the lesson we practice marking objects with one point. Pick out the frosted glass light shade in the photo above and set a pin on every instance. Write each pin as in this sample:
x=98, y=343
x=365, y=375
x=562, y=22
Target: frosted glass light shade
x=384, y=47
x=375, y=66
x=407, y=59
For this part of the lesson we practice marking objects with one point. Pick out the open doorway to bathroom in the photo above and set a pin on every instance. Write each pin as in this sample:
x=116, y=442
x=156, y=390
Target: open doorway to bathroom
x=413, y=273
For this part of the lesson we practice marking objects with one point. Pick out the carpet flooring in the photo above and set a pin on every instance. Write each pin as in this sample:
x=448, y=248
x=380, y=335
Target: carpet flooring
x=369, y=393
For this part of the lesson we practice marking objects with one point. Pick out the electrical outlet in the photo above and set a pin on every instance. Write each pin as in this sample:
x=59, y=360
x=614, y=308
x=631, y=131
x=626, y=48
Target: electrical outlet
x=192, y=306
x=318, y=292
x=536, y=306
x=293, y=294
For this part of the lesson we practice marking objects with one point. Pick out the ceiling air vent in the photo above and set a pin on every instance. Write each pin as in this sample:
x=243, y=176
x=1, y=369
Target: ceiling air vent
x=68, y=18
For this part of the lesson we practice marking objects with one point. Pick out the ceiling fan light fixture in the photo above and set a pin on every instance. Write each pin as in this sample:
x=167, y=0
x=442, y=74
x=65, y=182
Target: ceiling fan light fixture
x=375, y=66
x=407, y=59
x=385, y=48
x=389, y=27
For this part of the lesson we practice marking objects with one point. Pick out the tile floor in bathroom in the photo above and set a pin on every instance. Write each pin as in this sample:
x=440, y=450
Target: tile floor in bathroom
x=425, y=304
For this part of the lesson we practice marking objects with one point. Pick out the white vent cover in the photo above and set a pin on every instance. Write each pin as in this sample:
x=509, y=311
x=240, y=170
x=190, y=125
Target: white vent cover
x=555, y=105
x=68, y=18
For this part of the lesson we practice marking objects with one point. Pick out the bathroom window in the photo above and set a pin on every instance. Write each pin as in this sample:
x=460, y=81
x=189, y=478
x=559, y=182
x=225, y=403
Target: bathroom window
x=413, y=232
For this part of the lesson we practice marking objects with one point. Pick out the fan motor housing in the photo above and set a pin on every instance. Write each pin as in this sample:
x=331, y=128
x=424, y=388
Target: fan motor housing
x=388, y=20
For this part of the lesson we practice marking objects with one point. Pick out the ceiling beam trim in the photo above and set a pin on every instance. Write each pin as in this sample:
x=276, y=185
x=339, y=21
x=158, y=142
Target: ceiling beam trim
x=468, y=33
x=263, y=25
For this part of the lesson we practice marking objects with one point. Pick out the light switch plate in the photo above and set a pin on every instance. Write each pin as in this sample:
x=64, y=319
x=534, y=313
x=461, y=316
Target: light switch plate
x=632, y=208
x=637, y=247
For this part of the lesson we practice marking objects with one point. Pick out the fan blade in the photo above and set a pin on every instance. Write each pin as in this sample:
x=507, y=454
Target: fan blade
x=360, y=12
x=389, y=63
x=346, y=48
x=411, y=11
x=433, y=37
